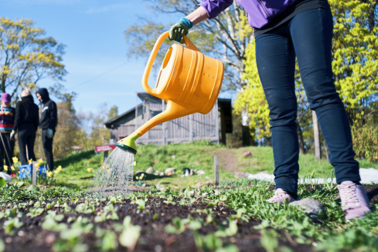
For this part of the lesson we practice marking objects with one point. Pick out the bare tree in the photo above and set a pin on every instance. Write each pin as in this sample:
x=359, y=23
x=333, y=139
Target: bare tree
x=225, y=37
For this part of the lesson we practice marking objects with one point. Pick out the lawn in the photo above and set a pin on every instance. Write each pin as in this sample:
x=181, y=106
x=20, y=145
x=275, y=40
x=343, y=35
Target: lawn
x=199, y=155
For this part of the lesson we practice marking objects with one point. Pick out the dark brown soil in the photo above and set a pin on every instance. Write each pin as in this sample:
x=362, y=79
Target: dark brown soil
x=31, y=237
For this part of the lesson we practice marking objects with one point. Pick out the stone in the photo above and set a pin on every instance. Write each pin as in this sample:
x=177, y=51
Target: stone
x=241, y=174
x=201, y=172
x=150, y=170
x=173, y=156
x=168, y=170
x=216, y=192
x=311, y=207
x=247, y=154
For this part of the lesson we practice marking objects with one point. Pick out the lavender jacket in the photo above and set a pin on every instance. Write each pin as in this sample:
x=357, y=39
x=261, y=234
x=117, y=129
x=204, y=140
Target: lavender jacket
x=260, y=12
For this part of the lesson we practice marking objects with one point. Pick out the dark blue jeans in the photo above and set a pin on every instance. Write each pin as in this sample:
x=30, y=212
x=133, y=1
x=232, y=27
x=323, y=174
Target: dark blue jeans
x=308, y=36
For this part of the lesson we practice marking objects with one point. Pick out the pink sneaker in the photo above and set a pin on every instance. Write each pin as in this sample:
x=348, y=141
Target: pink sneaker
x=280, y=196
x=354, y=200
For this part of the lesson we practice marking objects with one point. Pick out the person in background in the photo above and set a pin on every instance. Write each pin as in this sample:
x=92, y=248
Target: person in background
x=26, y=124
x=6, y=127
x=48, y=123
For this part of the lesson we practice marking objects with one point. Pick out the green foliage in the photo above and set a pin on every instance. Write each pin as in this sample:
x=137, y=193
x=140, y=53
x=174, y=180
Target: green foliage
x=2, y=182
x=355, y=51
x=130, y=234
x=27, y=55
x=365, y=141
x=252, y=97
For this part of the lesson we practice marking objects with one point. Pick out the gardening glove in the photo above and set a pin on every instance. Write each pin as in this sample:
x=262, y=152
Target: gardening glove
x=180, y=29
x=12, y=134
x=49, y=133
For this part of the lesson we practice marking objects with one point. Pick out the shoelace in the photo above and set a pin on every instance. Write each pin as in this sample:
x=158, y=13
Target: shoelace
x=348, y=196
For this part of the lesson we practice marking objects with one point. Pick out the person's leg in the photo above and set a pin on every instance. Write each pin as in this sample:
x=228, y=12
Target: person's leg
x=30, y=143
x=47, y=148
x=7, y=150
x=312, y=38
x=276, y=65
x=22, y=136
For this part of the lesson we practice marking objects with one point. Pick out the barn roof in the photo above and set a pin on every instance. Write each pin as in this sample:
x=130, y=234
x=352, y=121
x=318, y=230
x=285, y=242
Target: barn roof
x=114, y=119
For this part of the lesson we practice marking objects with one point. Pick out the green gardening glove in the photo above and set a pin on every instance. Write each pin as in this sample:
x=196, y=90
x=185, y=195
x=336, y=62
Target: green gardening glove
x=180, y=29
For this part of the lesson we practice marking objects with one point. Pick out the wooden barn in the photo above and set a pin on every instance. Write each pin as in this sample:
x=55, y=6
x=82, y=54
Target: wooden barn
x=212, y=126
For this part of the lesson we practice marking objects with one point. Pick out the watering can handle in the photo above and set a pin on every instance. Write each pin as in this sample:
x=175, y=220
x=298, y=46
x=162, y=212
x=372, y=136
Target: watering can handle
x=151, y=60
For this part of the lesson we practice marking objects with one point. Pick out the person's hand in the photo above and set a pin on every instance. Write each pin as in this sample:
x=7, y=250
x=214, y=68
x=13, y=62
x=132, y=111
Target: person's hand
x=180, y=29
x=50, y=133
x=12, y=134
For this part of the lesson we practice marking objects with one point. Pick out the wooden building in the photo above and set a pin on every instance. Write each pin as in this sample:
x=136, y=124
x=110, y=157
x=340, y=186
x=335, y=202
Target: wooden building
x=212, y=126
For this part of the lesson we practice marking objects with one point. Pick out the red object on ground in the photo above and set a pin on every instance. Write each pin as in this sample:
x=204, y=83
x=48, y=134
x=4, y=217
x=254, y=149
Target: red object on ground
x=102, y=148
x=77, y=147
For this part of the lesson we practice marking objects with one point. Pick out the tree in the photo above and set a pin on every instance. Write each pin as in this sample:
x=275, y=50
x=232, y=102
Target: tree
x=225, y=37
x=113, y=112
x=27, y=55
x=355, y=55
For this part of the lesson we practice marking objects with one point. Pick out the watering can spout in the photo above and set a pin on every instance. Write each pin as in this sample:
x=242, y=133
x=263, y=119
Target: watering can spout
x=173, y=111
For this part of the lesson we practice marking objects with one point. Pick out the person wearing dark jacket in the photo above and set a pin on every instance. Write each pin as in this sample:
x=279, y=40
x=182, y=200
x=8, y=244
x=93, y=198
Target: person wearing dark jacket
x=48, y=122
x=26, y=123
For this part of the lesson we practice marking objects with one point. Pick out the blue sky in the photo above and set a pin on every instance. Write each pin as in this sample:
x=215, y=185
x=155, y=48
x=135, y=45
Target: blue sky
x=93, y=32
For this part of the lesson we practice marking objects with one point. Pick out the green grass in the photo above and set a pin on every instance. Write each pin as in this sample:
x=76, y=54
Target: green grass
x=199, y=155
x=74, y=173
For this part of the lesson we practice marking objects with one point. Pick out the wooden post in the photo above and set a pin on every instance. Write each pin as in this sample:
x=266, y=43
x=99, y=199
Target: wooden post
x=34, y=173
x=216, y=170
x=191, y=127
x=318, y=153
x=164, y=124
x=106, y=153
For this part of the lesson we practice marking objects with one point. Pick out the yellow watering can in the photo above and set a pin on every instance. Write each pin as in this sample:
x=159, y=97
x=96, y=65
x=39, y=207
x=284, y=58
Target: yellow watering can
x=188, y=81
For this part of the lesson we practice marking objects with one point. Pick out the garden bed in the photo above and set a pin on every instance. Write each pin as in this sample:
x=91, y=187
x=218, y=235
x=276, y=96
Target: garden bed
x=206, y=219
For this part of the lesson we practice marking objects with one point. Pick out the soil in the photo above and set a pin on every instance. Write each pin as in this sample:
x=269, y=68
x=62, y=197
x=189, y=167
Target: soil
x=31, y=237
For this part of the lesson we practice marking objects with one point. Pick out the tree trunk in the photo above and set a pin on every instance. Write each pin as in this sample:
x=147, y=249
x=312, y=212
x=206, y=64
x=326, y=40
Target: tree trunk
x=300, y=139
x=318, y=153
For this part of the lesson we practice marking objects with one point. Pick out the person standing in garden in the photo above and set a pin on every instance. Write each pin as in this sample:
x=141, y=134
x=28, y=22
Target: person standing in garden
x=26, y=124
x=48, y=123
x=284, y=30
x=6, y=127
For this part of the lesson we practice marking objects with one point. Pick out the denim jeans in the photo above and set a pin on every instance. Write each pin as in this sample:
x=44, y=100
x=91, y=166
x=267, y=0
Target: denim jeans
x=308, y=36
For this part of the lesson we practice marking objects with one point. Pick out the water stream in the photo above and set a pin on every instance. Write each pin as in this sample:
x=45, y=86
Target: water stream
x=115, y=176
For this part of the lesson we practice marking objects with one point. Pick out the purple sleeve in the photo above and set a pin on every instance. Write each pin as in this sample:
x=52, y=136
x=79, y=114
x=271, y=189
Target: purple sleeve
x=214, y=7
